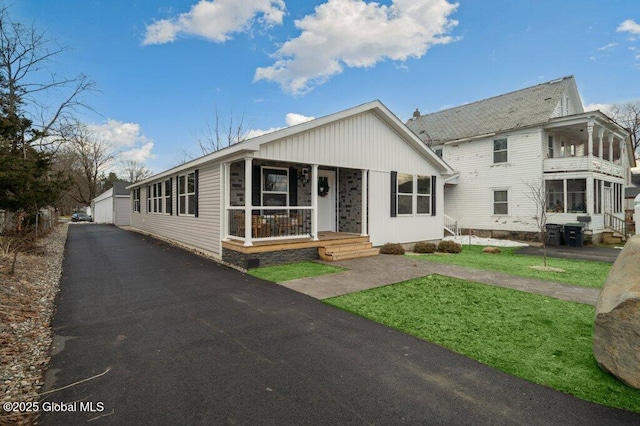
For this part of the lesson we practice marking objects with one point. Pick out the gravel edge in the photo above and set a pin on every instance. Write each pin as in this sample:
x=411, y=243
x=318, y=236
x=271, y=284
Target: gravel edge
x=26, y=311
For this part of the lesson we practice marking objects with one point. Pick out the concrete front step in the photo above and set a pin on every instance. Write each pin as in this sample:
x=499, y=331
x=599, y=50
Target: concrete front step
x=347, y=251
x=612, y=237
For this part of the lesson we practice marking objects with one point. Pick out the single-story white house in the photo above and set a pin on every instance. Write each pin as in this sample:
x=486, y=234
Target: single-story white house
x=113, y=205
x=359, y=176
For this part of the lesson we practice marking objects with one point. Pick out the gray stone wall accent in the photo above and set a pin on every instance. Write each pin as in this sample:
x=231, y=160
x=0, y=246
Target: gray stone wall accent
x=236, y=196
x=271, y=258
x=237, y=181
x=350, y=200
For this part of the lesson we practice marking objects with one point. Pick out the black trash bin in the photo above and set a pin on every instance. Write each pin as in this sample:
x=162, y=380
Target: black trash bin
x=553, y=234
x=573, y=234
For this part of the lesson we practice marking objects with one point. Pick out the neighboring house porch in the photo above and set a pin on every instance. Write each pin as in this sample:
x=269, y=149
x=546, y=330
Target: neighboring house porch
x=586, y=168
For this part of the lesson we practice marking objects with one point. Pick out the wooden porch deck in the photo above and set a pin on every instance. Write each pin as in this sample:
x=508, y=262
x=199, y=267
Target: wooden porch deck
x=324, y=239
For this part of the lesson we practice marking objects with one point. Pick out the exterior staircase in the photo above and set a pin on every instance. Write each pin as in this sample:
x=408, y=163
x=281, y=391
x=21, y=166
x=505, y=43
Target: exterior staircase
x=609, y=236
x=347, y=250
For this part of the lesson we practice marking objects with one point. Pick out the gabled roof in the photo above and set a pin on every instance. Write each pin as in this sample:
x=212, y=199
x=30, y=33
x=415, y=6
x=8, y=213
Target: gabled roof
x=522, y=108
x=120, y=187
x=250, y=146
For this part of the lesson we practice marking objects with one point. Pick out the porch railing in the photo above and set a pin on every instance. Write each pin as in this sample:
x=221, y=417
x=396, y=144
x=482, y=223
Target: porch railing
x=270, y=222
x=615, y=223
x=451, y=225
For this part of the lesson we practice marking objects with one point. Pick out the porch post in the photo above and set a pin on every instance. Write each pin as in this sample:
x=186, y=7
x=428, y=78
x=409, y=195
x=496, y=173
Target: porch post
x=600, y=137
x=314, y=202
x=611, y=147
x=364, y=202
x=622, y=151
x=248, y=181
x=226, y=196
x=590, y=146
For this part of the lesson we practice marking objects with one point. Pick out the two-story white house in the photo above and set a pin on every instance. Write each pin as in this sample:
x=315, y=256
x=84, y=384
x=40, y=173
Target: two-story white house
x=540, y=136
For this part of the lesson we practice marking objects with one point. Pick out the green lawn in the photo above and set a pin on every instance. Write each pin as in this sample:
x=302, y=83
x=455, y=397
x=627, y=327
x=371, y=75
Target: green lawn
x=293, y=271
x=576, y=272
x=540, y=339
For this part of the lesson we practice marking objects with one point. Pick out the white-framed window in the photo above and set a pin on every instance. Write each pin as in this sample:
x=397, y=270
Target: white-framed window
x=576, y=195
x=500, y=201
x=554, y=190
x=168, y=190
x=136, y=200
x=550, y=147
x=500, y=150
x=405, y=194
x=423, y=194
x=154, y=197
x=275, y=186
x=187, y=194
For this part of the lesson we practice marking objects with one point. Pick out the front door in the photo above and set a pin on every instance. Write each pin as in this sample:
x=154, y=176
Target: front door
x=608, y=199
x=326, y=200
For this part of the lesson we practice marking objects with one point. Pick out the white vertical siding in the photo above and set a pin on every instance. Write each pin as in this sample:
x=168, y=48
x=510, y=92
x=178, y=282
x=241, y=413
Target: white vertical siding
x=471, y=201
x=202, y=232
x=103, y=208
x=361, y=141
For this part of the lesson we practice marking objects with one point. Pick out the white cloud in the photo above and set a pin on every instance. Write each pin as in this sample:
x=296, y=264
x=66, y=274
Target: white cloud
x=605, y=108
x=629, y=26
x=607, y=46
x=357, y=34
x=291, y=119
x=125, y=140
x=216, y=20
x=140, y=154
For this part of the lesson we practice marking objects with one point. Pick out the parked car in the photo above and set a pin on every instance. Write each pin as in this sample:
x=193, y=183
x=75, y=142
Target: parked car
x=80, y=217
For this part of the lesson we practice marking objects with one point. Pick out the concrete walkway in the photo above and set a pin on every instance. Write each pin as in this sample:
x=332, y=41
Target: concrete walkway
x=370, y=272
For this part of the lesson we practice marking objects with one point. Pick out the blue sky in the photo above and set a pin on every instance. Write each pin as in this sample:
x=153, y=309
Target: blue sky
x=162, y=68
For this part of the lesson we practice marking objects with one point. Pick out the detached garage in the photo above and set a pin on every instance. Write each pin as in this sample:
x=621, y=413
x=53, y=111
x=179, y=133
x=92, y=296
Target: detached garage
x=113, y=205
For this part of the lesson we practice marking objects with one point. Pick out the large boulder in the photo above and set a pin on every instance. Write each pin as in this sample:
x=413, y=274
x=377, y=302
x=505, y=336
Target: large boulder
x=616, y=333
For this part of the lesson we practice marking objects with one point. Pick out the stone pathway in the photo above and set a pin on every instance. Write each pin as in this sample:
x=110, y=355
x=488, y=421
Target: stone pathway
x=370, y=272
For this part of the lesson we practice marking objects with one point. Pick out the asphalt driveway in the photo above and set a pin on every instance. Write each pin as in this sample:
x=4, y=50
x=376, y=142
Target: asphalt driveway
x=146, y=333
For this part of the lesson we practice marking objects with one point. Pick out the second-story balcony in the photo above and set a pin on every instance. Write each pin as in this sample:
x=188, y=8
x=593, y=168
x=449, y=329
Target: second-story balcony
x=586, y=142
x=582, y=164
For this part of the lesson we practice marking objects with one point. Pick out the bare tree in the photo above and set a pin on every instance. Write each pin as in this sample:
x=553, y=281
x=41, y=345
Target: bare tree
x=538, y=195
x=219, y=137
x=134, y=171
x=628, y=115
x=88, y=158
x=26, y=55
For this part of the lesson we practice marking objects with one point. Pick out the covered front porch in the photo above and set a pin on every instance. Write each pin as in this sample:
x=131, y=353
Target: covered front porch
x=270, y=203
x=589, y=142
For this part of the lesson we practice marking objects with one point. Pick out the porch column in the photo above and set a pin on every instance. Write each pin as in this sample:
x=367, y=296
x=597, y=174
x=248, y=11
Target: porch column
x=363, y=220
x=226, y=197
x=611, y=147
x=314, y=202
x=601, y=140
x=590, y=145
x=248, y=181
x=622, y=151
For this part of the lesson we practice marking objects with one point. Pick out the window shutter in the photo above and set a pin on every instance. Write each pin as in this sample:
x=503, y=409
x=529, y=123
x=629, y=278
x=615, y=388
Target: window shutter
x=177, y=195
x=170, y=197
x=195, y=196
x=256, y=187
x=394, y=193
x=433, y=195
x=293, y=186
